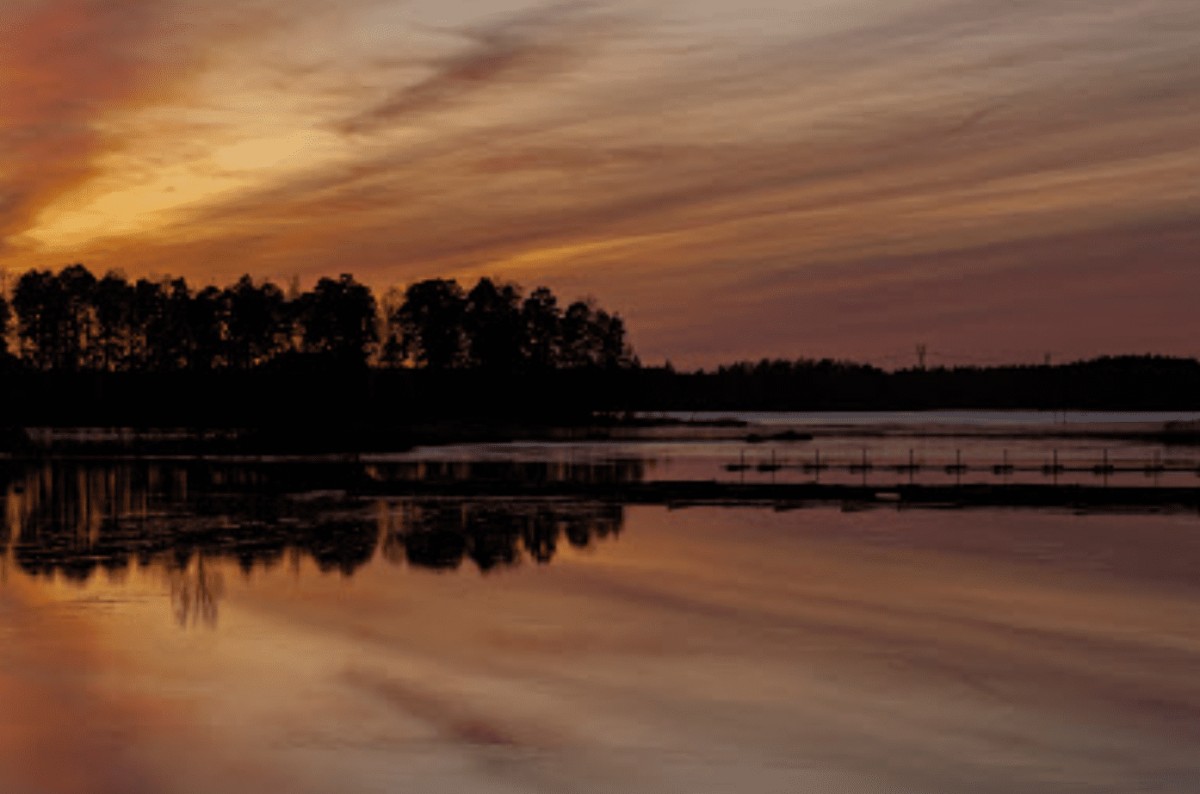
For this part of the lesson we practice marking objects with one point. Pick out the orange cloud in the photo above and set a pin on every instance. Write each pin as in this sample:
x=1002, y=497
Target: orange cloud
x=64, y=65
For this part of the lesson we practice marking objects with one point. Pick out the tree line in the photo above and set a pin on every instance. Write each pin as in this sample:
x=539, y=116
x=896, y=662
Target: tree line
x=1147, y=382
x=72, y=321
x=114, y=352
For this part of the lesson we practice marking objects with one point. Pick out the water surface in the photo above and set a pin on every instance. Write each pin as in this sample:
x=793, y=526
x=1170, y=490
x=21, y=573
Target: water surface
x=169, y=628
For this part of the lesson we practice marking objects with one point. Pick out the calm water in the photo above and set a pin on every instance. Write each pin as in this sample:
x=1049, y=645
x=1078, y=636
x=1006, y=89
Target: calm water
x=186, y=628
x=980, y=440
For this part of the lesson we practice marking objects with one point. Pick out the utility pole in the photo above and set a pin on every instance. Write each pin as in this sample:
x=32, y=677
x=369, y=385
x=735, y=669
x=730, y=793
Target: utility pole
x=922, y=349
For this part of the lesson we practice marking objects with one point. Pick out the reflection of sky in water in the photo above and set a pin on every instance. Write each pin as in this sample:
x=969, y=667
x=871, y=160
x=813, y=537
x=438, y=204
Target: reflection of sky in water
x=709, y=650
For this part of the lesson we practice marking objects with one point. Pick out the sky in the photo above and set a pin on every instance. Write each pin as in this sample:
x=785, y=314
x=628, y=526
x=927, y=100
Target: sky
x=995, y=179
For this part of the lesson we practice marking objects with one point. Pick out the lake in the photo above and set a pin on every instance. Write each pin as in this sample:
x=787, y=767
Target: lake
x=187, y=626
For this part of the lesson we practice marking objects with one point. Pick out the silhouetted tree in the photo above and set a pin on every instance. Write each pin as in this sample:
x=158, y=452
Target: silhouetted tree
x=575, y=338
x=493, y=326
x=207, y=313
x=147, y=320
x=542, y=329
x=391, y=334
x=256, y=322
x=338, y=319
x=591, y=337
x=615, y=350
x=114, y=311
x=77, y=286
x=430, y=324
x=5, y=319
x=176, y=339
x=41, y=307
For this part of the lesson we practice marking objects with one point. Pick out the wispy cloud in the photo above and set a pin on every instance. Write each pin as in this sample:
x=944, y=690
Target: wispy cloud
x=866, y=156
x=527, y=48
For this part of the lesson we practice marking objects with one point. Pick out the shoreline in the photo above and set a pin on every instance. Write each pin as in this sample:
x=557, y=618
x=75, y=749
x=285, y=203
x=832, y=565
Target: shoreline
x=40, y=442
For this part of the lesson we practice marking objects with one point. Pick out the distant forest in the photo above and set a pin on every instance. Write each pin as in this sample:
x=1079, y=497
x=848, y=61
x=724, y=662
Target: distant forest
x=1145, y=383
x=338, y=367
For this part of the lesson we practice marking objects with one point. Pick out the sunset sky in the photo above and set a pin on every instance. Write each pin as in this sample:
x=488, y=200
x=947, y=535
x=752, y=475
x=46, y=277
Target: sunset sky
x=998, y=179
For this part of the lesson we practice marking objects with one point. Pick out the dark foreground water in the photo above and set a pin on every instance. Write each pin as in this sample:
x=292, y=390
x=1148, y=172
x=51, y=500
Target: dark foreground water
x=167, y=629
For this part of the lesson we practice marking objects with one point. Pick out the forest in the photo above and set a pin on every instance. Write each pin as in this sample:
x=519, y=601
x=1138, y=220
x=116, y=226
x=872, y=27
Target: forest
x=72, y=321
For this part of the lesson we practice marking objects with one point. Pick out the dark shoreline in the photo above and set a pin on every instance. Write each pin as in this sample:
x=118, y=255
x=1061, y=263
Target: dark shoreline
x=350, y=439
x=318, y=395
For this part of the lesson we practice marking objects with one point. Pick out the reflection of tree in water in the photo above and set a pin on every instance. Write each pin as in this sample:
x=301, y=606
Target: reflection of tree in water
x=72, y=520
x=195, y=591
x=440, y=534
x=343, y=545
